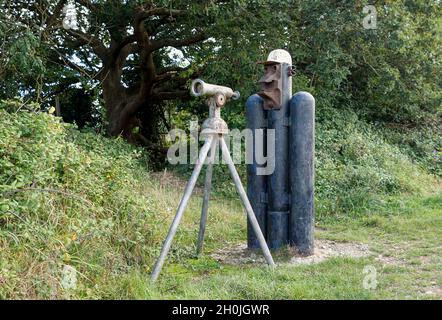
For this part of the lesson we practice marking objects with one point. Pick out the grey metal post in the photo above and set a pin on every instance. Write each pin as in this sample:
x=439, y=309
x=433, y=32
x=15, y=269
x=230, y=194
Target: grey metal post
x=256, y=184
x=187, y=193
x=206, y=196
x=246, y=203
x=302, y=148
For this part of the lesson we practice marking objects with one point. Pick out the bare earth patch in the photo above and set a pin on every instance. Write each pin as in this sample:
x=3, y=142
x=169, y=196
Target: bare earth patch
x=324, y=249
x=435, y=291
x=170, y=180
x=390, y=260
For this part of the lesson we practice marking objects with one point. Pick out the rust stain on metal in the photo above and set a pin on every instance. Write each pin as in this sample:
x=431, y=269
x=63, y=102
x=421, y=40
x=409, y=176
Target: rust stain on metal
x=271, y=85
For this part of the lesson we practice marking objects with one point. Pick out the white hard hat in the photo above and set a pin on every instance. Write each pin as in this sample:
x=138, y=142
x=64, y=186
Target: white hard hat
x=278, y=56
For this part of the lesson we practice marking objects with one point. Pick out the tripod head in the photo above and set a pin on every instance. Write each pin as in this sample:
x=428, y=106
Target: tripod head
x=199, y=88
x=218, y=96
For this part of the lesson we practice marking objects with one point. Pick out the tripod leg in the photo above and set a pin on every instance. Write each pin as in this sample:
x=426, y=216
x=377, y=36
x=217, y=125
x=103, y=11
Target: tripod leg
x=246, y=203
x=207, y=188
x=187, y=193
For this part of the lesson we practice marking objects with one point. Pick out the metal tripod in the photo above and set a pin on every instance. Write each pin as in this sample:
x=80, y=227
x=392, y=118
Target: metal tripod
x=214, y=129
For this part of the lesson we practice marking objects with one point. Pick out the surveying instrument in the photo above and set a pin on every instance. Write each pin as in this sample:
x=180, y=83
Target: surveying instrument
x=213, y=130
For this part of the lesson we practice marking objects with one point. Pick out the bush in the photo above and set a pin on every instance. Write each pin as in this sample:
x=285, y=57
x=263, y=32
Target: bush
x=68, y=198
x=356, y=166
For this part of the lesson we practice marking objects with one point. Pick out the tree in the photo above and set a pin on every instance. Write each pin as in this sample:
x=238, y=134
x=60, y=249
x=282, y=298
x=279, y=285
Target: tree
x=138, y=56
x=128, y=47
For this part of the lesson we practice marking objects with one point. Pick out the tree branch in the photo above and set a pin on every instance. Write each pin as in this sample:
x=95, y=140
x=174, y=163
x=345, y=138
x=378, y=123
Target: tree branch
x=168, y=72
x=123, y=43
x=177, y=42
x=86, y=3
x=53, y=18
x=140, y=30
x=66, y=62
x=98, y=47
x=171, y=69
x=144, y=14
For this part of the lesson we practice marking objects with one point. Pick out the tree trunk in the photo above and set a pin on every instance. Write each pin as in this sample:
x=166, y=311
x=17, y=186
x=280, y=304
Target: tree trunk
x=116, y=102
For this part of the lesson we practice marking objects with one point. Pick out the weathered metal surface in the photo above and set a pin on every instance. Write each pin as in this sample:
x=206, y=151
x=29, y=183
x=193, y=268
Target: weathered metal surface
x=256, y=184
x=271, y=86
x=278, y=181
x=199, y=88
x=206, y=197
x=302, y=148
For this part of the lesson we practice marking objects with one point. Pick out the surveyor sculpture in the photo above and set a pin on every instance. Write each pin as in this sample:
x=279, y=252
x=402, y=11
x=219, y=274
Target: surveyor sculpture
x=279, y=203
x=283, y=201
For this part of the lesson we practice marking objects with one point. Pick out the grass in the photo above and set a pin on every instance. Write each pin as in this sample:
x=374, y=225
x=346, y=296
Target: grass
x=404, y=237
x=76, y=199
x=406, y=255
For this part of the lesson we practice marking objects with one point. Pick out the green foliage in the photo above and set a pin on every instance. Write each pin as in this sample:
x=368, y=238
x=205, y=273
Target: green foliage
x=390, y=76
x=29, y=64
x=22, y=59
x=423, y=144
x=60, y=191
x=356, y=167
x=74, y=198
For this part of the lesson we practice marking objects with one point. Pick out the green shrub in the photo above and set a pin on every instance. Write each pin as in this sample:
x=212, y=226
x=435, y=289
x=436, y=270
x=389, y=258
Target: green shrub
x=69, y=197
x=356, y=166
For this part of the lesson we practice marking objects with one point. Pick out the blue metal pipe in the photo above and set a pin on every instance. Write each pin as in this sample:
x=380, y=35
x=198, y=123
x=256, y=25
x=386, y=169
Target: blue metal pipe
x=278, y=184
x=256, y=184
x=302, y=149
